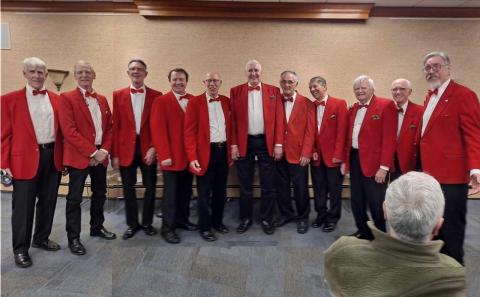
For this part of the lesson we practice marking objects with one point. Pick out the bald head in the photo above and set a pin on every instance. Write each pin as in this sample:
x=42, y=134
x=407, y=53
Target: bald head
x=401, y=91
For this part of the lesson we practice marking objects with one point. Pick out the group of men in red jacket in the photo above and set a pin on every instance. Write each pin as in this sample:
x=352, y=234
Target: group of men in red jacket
x=377, y=139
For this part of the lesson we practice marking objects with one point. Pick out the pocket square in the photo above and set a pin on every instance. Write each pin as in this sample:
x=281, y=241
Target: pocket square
x=332, y=117
x=412, y=126
x=272, y=96
x=375, y=117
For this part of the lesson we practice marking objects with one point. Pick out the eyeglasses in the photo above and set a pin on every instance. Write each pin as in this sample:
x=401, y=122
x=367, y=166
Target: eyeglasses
x=433, y=67
x=398, y=89
x=291, y=82
x=215, y=81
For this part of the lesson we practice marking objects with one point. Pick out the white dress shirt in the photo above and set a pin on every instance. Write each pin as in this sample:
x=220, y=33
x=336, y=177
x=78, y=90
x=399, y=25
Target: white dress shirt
x=357, y=124
x=96, y=114
x=183, y=102
x=41, y=113
x=216, y=119
x=432, y=103
x=138, y=102
x=401, y=116
x=289, y=106
x=320, y=112
x=255, y=112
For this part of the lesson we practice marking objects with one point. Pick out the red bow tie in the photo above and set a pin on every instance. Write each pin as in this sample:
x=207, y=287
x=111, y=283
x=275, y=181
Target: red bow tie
x=400, y=109
x=257, y=88
x=214, y=99
x=288, y=99
x=135, y=91
x=183, y=97
x=93, y=95
x=431, y=92
x=319, y=103
x=362, y=105
x=37, y=92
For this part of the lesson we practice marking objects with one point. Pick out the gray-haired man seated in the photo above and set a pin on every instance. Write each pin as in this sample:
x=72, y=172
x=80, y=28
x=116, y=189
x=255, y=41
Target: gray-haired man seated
x=406, y=261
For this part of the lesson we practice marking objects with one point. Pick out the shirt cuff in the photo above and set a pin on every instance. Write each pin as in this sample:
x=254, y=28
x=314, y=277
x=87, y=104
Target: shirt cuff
x=474, y=171
x=384, y=167
x=278, y=145
x=91, y=156
x=233, y=145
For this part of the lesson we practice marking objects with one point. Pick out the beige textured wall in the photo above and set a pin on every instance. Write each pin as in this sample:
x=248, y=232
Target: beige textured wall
x=382, y=48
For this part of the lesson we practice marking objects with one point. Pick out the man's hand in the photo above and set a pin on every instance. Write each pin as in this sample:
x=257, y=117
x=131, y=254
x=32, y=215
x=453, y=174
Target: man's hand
x=343, y=169
x=381, y=175
x=304, y=161
x=277, y=153
x=150, y=156
x=166, y=162
x=475, y=181
x=93, y=162
x=234, y=152
x=195, y=166
x=115, y=163
x=8, y=172
x=100, y=156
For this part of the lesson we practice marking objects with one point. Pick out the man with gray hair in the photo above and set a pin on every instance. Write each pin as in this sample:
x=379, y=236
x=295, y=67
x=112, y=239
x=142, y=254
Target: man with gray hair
x=406, y=261
x=450, y=146
x=32, y=158
x=371, y=138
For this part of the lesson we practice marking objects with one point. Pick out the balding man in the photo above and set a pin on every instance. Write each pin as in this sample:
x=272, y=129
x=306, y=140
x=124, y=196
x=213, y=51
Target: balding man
x=32, y=157
x=409, y=116
x=370, y=149
x=257, y=134
x=450, y=146
x=86, y=123
x=207, y=143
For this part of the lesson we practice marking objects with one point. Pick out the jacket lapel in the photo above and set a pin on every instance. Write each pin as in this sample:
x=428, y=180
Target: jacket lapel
x=84, y=108
x=441, y=105
x=55, y=114
x=127, y=101
x=23, y=108
x=327, y=112
x=146, y=106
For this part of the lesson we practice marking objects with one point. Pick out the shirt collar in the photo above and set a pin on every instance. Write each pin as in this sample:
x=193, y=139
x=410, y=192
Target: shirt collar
x=142, y=87
x=259, y=85
x=178, y=95
x=404, y=107
x=210, y=97
x=82, y=90
x=366, y=103
x=325, y=98
x=443, y=87
x=294, y=96
x=30, y=89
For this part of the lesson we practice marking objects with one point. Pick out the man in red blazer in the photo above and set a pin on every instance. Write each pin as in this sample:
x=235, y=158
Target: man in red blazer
x=207, y=143
x=257, y=132
x=132, y=146
x=409, y=115
x=86, y=123
x=450, y=146
x=166, y=124
x=329, y=153
x=299, y=118
x=32, y=157
x=371, y=139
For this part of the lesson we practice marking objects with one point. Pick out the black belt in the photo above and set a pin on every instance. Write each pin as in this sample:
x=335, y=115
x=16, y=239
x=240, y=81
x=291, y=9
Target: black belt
x=256, y=136
x=218, y=144
x=46, y=146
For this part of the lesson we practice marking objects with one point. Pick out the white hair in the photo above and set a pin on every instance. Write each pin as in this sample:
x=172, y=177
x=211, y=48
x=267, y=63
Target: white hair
x=409, y=84
x=34, y=62
x=363, y=78
x=82, y=63
x=443, y=55
x=290, y=72
x=252, y=62
x=414, y=204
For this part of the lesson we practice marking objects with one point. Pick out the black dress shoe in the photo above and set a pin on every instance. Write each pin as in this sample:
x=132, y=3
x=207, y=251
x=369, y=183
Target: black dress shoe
x=188, y=226
x=208, y=235
x=244, y=225
x=222, y=229
x=317, y=223
x=268, y=227
x=103, y=233
x=130, y=232
x=329, y=227
x=47, y=245
x=22, y=260
x=76, y=247
x=159, y=214
x=302, y=226
x=281, y=221
x=170, y=236
x=149, y=230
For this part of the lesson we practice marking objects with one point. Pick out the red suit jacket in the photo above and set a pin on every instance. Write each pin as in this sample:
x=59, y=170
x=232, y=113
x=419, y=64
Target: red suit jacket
x=124, y=132
x=450, y=145
x=272, y=111
x=377, y=137
x=197, y=131
x=166, y=124
x=330, y=142
x=299, y=131
x=79, y=131
x=20, y=150
x=407, y=145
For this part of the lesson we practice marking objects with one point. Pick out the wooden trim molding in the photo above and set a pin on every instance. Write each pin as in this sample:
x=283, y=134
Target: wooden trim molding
x=426, y=12
x=69, y=6
x=255, y=10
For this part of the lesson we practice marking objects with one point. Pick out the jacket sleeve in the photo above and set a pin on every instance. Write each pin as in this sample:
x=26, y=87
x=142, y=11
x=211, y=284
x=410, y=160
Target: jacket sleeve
x=6, y=137
x=279, y=119
x=470, y=125
x=233, y=126
x=159, y=130
x=115, y=126
x=342, y=126
x=108, y=133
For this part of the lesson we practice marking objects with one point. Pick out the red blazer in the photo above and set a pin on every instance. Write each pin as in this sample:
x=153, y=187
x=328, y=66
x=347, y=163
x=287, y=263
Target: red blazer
x=272, y=109
x=450, y=145
x=377, y=137
x=407, y=145
x=166, y=124
x=299, y=131
x=124, y=132
x=79, y=131
x=197, y=131
x=330, y=142
x=19, y=143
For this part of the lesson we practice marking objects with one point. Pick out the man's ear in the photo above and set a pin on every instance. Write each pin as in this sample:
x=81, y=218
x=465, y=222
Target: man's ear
x=437, y=227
